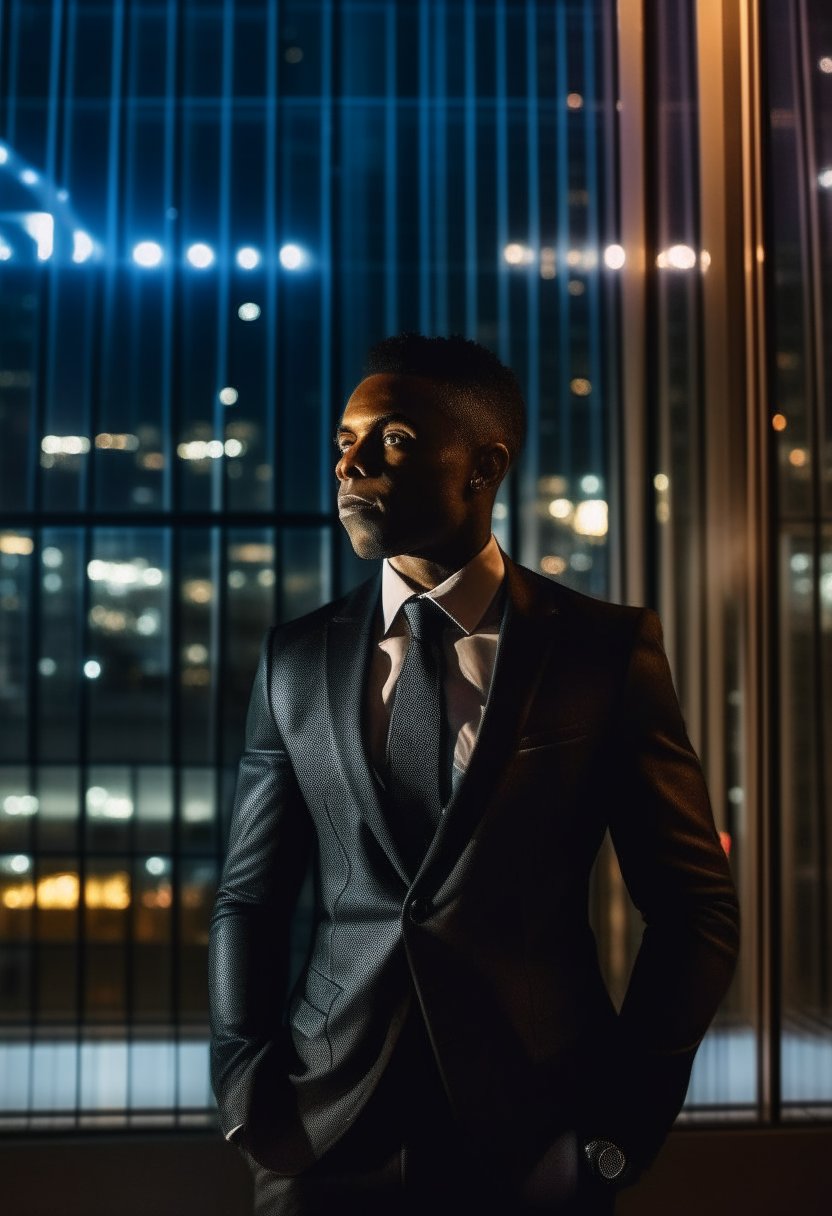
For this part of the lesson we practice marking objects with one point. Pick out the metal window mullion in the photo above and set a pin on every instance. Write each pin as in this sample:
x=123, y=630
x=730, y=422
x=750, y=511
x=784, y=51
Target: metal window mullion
x=83, y=763
x=561, y=266
x=440, y=149
x=391, y=233
x=530, y=554
x=611, y=302
x=56, y=60
x=219, y=480
x=11, y=102
x=33, y=757
x=470, y=169
x=815, y=362
x=424, y=169
x=328, y=406
x=174, y=542
x=590, y=111
x=270, y=205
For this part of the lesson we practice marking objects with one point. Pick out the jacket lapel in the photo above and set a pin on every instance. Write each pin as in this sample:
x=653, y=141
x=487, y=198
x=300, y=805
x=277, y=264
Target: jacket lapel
x=348, y=641
x=522, y=653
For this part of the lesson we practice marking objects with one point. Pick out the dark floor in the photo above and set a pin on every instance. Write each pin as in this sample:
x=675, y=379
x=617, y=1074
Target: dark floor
x=699, y=1173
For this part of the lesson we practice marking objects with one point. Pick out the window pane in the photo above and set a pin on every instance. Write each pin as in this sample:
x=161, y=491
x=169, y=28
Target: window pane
x=800, y=154
x=225, y=246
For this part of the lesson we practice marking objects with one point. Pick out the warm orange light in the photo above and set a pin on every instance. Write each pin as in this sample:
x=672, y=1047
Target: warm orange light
x=158, y=898
x=111, y=891
x=552, y=565
x=252, y=553
x=198, y=590
x=797, y=457
x=725, y=841
x=58, y=892
x=12, y=543
x=779, y=422
x=20, y=896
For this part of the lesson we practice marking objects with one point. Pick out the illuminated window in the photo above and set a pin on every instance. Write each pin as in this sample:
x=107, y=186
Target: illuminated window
x=177, y=343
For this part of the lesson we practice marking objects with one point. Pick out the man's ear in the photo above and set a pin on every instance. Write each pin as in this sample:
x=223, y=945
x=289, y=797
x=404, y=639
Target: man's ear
x=491, y=466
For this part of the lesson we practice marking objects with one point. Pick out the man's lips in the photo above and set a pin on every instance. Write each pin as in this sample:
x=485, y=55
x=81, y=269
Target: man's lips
x=348, y=504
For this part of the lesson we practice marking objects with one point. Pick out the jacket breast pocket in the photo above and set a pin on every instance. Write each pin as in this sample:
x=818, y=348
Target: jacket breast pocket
x=310, y=1014
x=568, y=732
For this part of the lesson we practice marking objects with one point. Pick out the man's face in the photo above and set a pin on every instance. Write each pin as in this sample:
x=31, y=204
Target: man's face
x=404, y=468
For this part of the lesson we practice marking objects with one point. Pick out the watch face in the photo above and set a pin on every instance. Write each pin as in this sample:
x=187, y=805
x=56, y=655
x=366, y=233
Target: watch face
x=611, y=1162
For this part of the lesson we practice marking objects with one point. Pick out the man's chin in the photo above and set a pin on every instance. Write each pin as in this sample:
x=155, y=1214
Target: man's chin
x=368, y=543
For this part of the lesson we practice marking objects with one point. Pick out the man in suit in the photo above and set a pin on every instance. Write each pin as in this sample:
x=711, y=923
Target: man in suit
x=449, y=743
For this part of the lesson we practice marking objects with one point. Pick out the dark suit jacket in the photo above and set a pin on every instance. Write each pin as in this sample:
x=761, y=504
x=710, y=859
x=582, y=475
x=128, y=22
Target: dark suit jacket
x=582, y=731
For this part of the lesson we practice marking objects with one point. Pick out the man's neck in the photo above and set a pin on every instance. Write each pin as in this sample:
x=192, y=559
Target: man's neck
x=424, y=572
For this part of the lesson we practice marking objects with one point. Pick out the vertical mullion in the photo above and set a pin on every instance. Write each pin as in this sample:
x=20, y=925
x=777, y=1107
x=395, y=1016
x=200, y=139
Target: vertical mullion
x=391, y=236
x=11, y=104
x=531, y=554
x=815, y=363
x=218, y=471
x=83, y=761
x=170, y=201
x=271, y=298
x=327, y=402
x=612, y=298
x=174, y=119
x=55, y=61
x=501, y=134
x=590, y=111
x=562, y=271
x=424, y=168
x=441, y=167
x=470, y=169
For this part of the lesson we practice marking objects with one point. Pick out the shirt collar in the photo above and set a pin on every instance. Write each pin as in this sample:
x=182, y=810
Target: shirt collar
x=464, y=596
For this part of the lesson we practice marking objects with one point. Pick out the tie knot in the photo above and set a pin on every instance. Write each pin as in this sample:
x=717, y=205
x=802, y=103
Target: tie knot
x=425, y=619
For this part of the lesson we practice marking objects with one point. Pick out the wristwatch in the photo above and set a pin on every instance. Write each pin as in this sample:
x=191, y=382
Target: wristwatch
x=606, y=1160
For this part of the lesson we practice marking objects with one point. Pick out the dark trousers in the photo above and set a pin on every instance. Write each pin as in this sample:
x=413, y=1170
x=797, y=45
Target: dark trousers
x=404, y=1157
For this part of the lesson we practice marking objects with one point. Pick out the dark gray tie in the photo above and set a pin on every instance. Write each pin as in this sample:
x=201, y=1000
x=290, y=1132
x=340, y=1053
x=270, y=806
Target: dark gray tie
x=415, y=742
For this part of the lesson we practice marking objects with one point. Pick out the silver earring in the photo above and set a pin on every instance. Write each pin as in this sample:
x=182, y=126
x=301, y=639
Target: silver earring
x=476, y=483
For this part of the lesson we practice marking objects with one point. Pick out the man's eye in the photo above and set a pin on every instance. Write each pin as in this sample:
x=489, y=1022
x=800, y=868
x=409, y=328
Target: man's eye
x=342, y=444
x=392, y=439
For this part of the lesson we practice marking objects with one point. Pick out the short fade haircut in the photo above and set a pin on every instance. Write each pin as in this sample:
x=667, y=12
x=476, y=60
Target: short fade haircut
x=483, y=393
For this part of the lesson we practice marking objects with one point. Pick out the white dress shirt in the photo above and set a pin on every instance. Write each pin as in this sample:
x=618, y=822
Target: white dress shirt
x=471, y=600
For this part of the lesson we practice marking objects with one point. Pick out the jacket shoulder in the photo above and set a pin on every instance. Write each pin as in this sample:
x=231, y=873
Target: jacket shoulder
x=308, y=627
x=584, y=612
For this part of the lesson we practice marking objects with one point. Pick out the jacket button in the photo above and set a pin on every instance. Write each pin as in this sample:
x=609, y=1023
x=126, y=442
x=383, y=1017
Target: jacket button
x=420, y=909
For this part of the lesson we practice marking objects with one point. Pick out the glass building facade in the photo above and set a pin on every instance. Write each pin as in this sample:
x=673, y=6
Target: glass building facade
x=208, y=212
x=800, y=74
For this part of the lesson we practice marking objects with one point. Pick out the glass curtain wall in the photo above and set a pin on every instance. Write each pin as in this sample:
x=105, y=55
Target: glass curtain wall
x=208, y=211
x=687, y=457
x=800, y=190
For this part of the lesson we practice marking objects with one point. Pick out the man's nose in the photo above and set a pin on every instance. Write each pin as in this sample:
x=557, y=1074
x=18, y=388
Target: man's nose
x=354, y=462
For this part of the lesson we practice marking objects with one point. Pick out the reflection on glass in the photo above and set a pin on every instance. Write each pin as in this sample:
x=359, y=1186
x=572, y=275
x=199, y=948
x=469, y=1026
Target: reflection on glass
x=306, y=571
x=17, y=896
x=800, y=96
x=58, y=806
x=59, y=656
x=18, y=806
x=251, y=594
x=16, y=566
x=110, y=803
x=199, y=882
x=127, y=626
x=196, y=366
x=154, y=807
x=198, y=622
x=198, y=798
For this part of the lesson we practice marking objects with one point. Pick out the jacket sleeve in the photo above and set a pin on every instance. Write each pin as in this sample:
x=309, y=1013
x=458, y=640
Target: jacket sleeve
x=678, y=876
x=269, y=844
